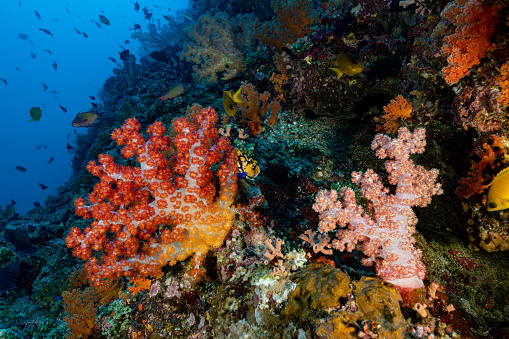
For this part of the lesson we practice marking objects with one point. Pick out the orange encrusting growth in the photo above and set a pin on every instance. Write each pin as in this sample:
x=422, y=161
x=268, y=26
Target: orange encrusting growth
x=182, y=204
x=503, y=83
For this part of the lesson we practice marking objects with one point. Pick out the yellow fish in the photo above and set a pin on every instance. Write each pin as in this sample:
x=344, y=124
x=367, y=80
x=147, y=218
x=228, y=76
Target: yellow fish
x=173, y=92
x=498, y=193
x=230, y=102
x=35, y=114
x=348, y=64
x=246, y=168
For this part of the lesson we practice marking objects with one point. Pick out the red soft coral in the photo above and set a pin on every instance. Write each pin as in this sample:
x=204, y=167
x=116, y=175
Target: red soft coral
x=475, y=23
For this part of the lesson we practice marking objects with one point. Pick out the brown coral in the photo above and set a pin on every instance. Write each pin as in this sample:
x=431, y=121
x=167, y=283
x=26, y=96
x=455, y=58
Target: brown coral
x=256, y=106
x=289, y=22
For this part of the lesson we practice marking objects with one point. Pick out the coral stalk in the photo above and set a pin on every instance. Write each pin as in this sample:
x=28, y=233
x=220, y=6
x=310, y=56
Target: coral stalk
x=385, y=231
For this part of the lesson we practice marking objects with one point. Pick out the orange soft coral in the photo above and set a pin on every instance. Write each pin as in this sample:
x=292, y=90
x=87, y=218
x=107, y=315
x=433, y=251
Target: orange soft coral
x=158, y=215
x=255, y=106
x=396, y=109
x=289, y=22
x=475, y=23
x=492, y=154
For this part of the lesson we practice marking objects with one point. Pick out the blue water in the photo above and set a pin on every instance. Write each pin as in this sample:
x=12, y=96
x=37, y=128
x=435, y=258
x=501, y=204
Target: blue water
x=83, y=66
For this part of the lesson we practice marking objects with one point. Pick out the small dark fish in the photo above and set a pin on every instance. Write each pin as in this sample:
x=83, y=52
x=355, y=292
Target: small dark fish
x=124, y=55
x=126, y=42
x=67, y=10
x=69, y=147
x=77, y=30
x=54, y=65
x=111, y=59
x=94, y=105
x=20, y=168
x=40, y=146
x=148, y=15
x=46, y=31
x=37, y=15
x=8, y=275
x=98, y=25
x=310, y=114
x=17, y=68
x=43, y=187
x=119, y=100
x=91, y=97
x=44, y=86
x=136, y=26
x=136, y=6
x=159, y=56
x=85, y=35
x=85, y=119
x=37, y=204
x=167, y=18
x=51, y=160
x=62, y=108
x=33, y=55
x=104, y=20
x=5, y=81
x=10, y=211
x=22, y=36
x=47, y=50
x=20, y=240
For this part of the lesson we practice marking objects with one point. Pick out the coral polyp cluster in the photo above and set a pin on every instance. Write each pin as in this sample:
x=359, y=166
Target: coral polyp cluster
x=149, y=216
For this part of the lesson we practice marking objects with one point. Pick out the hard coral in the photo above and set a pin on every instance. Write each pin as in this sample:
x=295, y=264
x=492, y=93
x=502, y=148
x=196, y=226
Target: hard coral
x=157, y=215
x=320, y=287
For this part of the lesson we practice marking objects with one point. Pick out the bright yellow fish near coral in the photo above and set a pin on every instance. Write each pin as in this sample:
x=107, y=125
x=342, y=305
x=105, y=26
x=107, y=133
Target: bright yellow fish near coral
x=348, y=64
x=498, y=193
x=230, y=102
